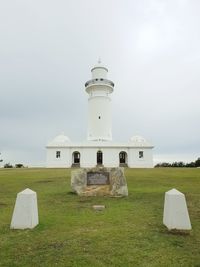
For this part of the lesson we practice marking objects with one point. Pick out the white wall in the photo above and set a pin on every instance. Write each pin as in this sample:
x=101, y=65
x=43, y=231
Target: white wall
x=135, y=162
x=88, y=157
x=99, y=118
x=110, y=157
x=63, y=162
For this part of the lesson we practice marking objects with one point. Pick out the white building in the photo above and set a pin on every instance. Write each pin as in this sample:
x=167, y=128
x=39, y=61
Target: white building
x=99, y=149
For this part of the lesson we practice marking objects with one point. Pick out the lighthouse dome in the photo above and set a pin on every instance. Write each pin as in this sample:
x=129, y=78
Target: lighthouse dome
x=138, y=140
x=60, y=140
x=99, y=71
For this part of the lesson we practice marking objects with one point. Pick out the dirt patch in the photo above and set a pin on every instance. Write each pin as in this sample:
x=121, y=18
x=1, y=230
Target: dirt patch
x=179, y=232
x=54, y=245
x=71, y=193
x=2, y=204
x=44, y=181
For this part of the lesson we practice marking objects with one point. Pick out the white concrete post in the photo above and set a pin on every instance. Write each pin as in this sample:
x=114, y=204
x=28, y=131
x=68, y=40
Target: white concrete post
x=25, y=213
x=175, y=211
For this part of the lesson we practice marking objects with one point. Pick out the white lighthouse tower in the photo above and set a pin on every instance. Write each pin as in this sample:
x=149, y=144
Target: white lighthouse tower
x=99, y=89
x=99, y=148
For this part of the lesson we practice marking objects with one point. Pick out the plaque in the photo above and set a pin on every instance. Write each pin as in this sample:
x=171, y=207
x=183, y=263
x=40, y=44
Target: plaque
x=98, y=178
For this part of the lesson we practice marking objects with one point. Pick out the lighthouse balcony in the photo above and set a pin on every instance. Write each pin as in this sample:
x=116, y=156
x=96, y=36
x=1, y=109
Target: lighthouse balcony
x=99, y=81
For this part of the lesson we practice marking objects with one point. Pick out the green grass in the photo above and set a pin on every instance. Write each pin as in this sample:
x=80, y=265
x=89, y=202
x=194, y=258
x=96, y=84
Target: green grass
x=129, y=232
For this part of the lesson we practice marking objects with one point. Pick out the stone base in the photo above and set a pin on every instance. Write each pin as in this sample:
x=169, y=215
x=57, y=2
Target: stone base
x=98, y=207
x=115, y=187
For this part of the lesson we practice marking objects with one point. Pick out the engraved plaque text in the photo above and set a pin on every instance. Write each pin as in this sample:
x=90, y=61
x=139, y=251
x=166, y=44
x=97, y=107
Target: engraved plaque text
x=98, y=178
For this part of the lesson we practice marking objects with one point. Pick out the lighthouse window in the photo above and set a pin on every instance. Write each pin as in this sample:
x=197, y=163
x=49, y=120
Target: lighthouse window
x=57, y=154
x=99, y=117
x=141, y=154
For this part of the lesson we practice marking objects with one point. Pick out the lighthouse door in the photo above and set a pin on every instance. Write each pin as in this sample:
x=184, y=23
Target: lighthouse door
x=99, y=158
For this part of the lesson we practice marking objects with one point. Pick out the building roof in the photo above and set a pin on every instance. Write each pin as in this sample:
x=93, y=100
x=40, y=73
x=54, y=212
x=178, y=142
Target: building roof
x=99, y=65
x=100, y=144
x=139, y=141
x=60, y=140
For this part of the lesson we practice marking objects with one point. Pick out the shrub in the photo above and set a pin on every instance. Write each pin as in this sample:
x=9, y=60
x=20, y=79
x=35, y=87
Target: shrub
x=19, y=165
x=8, y=165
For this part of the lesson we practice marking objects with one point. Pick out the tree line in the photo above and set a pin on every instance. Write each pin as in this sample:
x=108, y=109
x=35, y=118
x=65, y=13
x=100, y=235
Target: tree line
x=8, y=165
x=18, y=165
x=180, y=164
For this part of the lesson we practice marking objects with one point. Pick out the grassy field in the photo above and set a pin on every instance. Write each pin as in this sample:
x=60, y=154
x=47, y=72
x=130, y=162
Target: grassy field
x=129, y=232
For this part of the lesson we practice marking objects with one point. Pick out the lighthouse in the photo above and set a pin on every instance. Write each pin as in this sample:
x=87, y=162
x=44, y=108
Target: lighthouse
x=99, y=148
x=99, y=89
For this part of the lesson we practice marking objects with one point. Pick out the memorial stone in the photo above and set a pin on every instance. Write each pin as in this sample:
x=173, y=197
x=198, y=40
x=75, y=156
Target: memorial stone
x=99, y=181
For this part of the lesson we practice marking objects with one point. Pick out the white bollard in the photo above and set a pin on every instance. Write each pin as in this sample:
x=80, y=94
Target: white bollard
x=25, y=213
x=175, y=211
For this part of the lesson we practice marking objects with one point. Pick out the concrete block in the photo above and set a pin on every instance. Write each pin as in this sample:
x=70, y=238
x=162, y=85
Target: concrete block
x=98, y=207
x=25, y=213
x=175, y=211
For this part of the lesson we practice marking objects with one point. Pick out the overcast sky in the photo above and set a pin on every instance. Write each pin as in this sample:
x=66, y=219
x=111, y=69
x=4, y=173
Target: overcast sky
x=152, y=51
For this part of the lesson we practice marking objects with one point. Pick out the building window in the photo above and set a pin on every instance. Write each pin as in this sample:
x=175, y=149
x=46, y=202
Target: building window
x=141, y=154
x=58, y=154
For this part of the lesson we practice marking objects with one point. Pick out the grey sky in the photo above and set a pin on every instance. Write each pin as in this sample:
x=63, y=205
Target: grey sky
x=152, y=51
